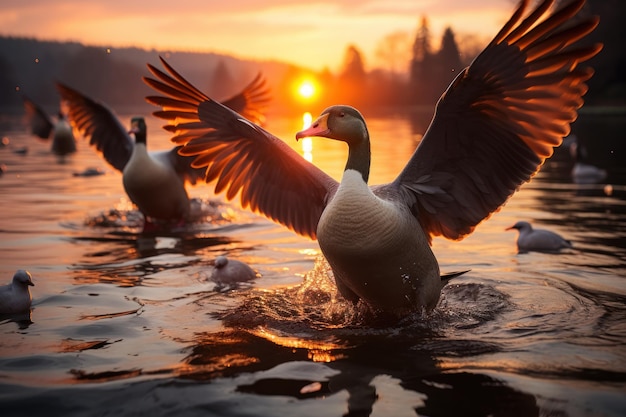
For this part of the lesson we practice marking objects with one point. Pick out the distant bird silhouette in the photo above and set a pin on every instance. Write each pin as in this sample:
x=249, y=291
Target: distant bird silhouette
x=44, y=127
x=538, y=240
x=154, y=181
x=16, y=297
x=228, y=272
x=583, y=171
x=493, y=128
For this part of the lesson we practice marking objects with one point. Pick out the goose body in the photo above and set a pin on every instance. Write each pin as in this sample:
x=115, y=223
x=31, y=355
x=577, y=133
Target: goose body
x=583, y=173
x=43, y=126
x=538, y=240
x=152, y=182
x=63, y=141
x=493, y=128
x=231, y=271
x=381, y=244
x=15, y=297
x=155, y=181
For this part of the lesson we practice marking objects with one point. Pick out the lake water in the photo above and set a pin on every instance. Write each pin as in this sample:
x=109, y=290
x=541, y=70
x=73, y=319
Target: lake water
x=126, y=324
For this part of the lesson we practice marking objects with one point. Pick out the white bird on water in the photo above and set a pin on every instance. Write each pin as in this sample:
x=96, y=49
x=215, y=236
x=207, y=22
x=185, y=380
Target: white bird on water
x=538, y=240
x=583, y=171
x=16, y=297
x=493, y=129
x=231, y=271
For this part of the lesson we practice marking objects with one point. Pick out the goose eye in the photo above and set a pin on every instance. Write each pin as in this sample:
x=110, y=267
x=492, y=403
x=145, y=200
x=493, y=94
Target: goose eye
x=341, y=114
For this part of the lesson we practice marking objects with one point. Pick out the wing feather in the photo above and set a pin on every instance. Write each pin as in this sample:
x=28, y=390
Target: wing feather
x=37, y=119
x=97, y=123
x=239, y=156
x=500, y=119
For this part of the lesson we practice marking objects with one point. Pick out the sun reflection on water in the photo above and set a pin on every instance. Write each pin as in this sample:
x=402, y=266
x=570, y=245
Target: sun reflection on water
x=307, y=143
x=318, y=351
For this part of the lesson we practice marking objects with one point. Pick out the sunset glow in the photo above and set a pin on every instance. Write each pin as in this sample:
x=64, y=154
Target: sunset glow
x=310, y=34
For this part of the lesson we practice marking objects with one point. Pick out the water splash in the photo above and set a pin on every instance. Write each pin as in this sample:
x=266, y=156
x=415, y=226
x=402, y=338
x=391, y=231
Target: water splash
x=315, y=310
x=125, y=217
x=314, y=305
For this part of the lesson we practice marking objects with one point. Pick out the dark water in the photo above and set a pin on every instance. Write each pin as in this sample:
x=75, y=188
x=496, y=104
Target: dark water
x=126, y=324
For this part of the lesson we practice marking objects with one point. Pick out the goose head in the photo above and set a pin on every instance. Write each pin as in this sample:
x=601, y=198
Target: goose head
x=139, y=129
x=346, y=124
x=521, y=225
x=23, y=277
x=221, y=262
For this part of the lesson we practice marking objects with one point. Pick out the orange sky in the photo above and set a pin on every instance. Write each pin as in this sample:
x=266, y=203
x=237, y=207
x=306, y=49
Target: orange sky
x=312, y=33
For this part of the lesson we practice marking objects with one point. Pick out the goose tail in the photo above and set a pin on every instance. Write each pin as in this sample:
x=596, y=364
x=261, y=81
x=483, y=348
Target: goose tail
x=447, y=277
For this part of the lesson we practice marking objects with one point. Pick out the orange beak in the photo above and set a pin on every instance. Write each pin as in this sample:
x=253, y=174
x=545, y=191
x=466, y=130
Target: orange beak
x=318, y=128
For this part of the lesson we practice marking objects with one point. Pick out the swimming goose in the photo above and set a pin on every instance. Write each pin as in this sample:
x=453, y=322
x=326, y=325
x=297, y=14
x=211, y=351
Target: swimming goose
x=43, y=126
x=16, y=297
x=154, y=181
x=538, y=240
x=493, y=128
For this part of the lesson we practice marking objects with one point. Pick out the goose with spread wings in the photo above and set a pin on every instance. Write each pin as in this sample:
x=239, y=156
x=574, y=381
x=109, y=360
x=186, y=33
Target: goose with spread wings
x=154, y=181
x=45, y=127
x=492, y=130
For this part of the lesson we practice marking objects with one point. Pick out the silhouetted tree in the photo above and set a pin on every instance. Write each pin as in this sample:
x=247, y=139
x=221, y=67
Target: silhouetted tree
x=389, y=86
x=352, y=79
x=422, y=69
x=393, y=51
x=432, y=72
x=421, y=45
x=470, y=46
x=448, y=60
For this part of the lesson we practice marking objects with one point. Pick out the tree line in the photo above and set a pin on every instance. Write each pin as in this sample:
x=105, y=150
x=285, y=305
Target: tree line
x=30, y=67
x=431, y=70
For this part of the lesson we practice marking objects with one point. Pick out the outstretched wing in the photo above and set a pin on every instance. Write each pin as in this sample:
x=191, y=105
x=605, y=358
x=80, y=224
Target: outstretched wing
x=96, y=122
x=182, y=115
x=500, y=119
x=252, y=101
x=39, y=122
x=241, y=157
x=181, y=111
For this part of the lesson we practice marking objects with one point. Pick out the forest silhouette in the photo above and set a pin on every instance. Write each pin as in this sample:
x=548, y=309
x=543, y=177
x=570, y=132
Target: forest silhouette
x=113, y=75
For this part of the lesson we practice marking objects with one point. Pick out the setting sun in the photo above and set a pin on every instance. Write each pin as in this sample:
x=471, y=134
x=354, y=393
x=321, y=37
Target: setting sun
x=307, y=89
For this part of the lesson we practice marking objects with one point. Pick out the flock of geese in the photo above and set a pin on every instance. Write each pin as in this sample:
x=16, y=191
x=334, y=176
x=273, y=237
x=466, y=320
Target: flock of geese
x=493, y=128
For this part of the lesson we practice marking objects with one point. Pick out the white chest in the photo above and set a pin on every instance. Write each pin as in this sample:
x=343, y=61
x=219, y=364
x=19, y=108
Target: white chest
x=358, y=220
x=154, y=186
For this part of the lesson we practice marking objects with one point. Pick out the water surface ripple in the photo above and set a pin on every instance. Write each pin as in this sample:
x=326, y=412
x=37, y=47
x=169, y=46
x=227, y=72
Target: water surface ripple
x=128, y=323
